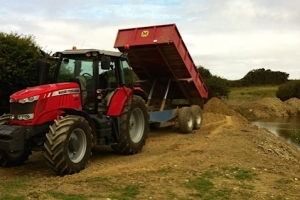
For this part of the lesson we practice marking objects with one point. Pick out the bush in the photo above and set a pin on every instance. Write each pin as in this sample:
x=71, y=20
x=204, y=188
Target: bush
x=263, y=77
x=18, y=56
x=217, y=86
x=289, y=90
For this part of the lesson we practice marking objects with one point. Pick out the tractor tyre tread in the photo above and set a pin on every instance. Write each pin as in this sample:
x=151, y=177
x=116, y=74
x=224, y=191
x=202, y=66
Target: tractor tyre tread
x=56, y=152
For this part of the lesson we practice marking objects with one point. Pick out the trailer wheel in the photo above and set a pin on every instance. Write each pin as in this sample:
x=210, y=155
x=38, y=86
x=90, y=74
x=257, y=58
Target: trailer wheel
x=185, y=120
x=11, y=159
x=133, y=125
x=68, y=144
x=197, y=115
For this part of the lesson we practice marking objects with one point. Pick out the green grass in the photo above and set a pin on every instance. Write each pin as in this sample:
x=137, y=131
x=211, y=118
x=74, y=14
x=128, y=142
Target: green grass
x=126, y=193
x=206, y=189
x=240, y=173
x=211, y=174
x=8, y=189
x=63, y=196
x=164, y=171
x=213, y=184
x=252, y=93
x=121, y=193
x=201, y=185
x=11, y=197
x=296, y=135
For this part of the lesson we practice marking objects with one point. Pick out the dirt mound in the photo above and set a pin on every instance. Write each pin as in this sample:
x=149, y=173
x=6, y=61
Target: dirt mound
x=278, y=108
x=266, y=108
x=294, y=103
x=215, y=105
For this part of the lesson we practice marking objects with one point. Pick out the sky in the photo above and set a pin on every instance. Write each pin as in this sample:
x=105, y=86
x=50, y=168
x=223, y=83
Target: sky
x=227, y=37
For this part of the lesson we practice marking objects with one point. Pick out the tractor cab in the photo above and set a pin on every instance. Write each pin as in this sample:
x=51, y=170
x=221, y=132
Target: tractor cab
x=98, y=73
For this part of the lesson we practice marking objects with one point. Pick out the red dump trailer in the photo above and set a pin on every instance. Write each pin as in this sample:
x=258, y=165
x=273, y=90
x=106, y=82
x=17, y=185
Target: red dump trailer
x=165, y=69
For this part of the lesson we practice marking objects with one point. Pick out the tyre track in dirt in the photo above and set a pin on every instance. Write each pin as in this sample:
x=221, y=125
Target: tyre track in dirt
x=163, y=146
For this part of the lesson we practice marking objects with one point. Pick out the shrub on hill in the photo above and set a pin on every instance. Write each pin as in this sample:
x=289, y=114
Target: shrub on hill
x=289, y=90
x=217, y=86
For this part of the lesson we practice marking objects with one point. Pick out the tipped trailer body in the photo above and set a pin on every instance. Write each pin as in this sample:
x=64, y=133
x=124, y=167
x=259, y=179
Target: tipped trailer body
x=160, y=59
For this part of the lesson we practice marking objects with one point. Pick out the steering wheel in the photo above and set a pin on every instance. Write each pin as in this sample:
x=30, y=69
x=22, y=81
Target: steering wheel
x=85, y=75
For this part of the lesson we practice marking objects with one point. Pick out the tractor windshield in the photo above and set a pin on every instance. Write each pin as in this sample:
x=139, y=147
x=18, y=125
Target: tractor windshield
x=71, y=68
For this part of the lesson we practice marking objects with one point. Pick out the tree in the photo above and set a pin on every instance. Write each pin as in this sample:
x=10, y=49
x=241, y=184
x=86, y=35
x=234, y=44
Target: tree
x=217, y=86
x=262, y=77
x=205, y=73
x=18, y=56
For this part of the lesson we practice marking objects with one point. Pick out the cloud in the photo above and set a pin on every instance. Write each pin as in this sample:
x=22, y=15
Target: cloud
x=229, y=37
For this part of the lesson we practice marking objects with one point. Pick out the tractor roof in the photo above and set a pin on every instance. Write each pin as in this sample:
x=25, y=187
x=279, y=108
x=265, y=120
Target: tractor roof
x=84, y=51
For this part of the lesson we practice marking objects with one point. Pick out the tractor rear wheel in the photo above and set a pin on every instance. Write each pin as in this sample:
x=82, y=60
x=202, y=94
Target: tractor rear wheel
x=197, y=115
x=11, y=159
x=185, y=120
x=133, y=124
x=68, y=144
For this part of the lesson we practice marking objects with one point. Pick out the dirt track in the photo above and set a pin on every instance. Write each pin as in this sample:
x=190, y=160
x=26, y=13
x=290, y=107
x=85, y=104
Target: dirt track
x=226, y=145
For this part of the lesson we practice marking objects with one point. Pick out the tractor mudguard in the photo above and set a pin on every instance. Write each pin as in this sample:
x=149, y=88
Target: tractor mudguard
x=140, y=92
x=118, y=101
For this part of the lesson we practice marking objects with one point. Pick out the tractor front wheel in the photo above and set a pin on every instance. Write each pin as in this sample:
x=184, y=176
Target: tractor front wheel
x=11, y=159
x=68, y=144
x=133, y=125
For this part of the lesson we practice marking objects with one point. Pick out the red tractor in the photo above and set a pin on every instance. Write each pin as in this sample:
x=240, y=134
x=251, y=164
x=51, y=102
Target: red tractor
x=91, y=102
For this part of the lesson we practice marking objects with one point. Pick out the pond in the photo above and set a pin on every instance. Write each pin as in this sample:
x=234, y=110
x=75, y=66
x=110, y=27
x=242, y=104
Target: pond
x=287, y=128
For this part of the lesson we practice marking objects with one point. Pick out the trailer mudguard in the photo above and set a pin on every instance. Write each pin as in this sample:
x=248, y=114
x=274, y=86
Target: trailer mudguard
x=118, y=101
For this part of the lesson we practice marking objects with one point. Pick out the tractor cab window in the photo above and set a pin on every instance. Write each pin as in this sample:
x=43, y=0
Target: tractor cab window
x=124, y=69
x=126, y=73
x=108, y=76
x=71, y=68
x=81, y=71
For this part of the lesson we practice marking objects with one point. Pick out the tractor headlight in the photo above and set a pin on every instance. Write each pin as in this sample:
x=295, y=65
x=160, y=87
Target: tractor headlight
x=25, y=116
x=29, y=99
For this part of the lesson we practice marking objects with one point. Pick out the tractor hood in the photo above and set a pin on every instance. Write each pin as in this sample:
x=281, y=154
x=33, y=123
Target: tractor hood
x=44, y=91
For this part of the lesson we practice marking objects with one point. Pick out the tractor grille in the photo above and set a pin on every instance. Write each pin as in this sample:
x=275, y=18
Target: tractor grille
x=22, y=108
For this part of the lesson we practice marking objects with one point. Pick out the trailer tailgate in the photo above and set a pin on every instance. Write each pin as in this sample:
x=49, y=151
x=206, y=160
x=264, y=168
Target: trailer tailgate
x=159, y=53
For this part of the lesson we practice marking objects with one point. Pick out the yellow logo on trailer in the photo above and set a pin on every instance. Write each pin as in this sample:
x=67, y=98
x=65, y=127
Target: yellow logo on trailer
x=145, y=33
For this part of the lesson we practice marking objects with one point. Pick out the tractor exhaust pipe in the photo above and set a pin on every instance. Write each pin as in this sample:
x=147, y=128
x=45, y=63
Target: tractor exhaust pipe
x=42, y=67
x=43, y=72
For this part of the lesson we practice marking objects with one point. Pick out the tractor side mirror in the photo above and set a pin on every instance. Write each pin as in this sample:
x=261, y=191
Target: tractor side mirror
x=105, y=62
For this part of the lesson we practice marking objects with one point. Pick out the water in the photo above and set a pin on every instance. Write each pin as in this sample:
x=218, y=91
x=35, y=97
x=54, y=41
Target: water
x=283, y=127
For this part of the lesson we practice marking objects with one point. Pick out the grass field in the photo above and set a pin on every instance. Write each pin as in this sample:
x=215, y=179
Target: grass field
x=252, y=93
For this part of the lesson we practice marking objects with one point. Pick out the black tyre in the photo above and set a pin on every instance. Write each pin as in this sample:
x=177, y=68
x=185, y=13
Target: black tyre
x=11, y=159
x=185, y=120
x=68, y=144
x=133, y=126
x=154, y=125
x=4, y=119
x=197, y=116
